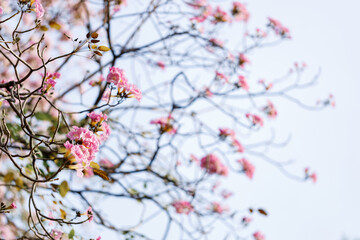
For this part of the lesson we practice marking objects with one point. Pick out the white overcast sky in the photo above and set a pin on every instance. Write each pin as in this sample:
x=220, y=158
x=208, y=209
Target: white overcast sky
x=325, y=34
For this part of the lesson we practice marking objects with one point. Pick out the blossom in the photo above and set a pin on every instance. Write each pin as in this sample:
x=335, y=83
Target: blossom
x=220, y=16
x=217, y=208
x=106, y=163
x=1, y=10
x=56, y=234
x=133, y=92
x=183, y=207
x=90, y=214
x=216, y=42
x=226, y=132
x=39, y=9
x=106, y=95
x=248, y=168
x=226, y=194
x=243, y=60
x=208, y=92
x=279, y=28
x=258, y=236
x=98, y=238
x=116, y=76
x=243, y=83
x=213, y=165
x=161, y=65
x=313, y=177
x=246, y=220
x=13, y=206
x=198, y=4
x=238, y=146
x=240, y=12
x=50, y=81
x=105, y=129
x=165, y=124
x=221, y=76
x=97, y=117
x=256, y=120
x=270, y=109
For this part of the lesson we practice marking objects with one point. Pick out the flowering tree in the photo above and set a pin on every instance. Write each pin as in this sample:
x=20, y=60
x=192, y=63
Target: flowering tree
x=78, y=138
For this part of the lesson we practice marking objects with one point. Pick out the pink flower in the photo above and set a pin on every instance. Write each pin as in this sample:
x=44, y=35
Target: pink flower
x=106, y=95
x=220, y=16
x=213, y=165
x=1, y=10
x=256, y=120
x=193, y=158
x=238, y=146
x=13, y=206
x=90, y=214
x=240, y=12
x=106, y=163
x=198, y=4
x=226, y=194
x=133, y=92
x=56, y=234
x=50, y=81
x=39, y=9
x=248, y=168
x=183, y=207
x=97, y=117
x=258, y=236
x=270, y=110
x=217, y=208
x=226, y=132
x=105, y=131
x=279, y=28
x=243, y=83
x=116, y=76
x=243, y=60
x=208, y=92
x=161, y=65
x=216, y=42
x=246, y=220
x=313, y=177
x=99, y=238
x=165, y=124
x=221, y=76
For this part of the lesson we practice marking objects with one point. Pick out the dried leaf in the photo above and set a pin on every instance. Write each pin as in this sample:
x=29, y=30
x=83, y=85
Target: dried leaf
x=63, y=214
x=94, y=35
x=104, y=48
x=101, y=174
x=64, y=188
x=262, y=211
x=98, y=53
x=94, y=165
x=9, y=177
x=54, y=25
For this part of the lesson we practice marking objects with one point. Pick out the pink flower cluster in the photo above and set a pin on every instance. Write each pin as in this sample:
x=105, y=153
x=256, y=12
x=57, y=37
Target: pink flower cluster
x=240, y=12
x=312, y=176
x=83, y=147
x=220, y=16
x=270, y=110
x=50, y=81
x=248, y=168
x=183, y=207
x=258, y=236
x=213, y=165
x=217, y=208
x=206, y=11
x=38, y=8
x=99, y=125
x=243, y=83
x=221, y=76
x=255, y=119
x=243, y=60
x=165, y=124
x=279, y=28
x=125, y=90
x=226, y=132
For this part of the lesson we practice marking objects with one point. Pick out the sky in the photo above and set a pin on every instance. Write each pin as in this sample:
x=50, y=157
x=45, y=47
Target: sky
x=325, y=35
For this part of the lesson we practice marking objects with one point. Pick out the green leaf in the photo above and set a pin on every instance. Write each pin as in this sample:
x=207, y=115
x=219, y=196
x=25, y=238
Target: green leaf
x=64, y=188
x=71, y=234
x=43, y=116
